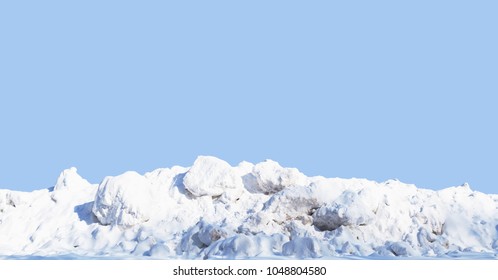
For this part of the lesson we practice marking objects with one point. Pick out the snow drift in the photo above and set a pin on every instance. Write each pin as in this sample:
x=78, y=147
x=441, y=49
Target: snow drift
x=214, y=210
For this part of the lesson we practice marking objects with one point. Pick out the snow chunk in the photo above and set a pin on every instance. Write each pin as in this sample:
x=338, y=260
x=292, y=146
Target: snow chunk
x=348, y=210
x=124, y=200
x=272, y=177
x=210, y=176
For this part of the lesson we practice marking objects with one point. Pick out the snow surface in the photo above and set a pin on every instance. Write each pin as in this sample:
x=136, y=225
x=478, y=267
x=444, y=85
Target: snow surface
x=214, y=210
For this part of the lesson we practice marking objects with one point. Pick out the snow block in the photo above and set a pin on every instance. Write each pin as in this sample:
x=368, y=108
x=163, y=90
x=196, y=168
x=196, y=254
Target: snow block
x=210, y=176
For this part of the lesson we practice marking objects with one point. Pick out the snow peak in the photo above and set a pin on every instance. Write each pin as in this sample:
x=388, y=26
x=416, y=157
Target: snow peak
x=192, y=271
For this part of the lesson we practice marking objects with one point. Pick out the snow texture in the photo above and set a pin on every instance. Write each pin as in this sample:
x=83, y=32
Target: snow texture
x=213, y=210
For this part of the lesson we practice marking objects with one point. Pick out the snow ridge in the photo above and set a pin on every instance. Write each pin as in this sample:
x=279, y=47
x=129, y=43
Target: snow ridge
x=214, y=210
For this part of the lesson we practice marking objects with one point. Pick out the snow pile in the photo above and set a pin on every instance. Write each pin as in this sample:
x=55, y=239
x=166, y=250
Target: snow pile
x=214, y=210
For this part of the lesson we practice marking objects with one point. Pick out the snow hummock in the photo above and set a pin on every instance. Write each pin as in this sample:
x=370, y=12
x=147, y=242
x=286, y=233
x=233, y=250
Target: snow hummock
x=263, y=210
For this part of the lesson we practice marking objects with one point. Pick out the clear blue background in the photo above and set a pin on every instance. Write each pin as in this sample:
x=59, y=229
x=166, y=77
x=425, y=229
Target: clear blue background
x=372, y=89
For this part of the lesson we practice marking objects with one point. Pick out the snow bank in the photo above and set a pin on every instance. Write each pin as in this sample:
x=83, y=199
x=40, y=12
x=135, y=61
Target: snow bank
x=264, y=210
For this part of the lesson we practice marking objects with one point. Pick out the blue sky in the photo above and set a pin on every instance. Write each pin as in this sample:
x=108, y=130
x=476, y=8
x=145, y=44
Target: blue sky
x=369, y=89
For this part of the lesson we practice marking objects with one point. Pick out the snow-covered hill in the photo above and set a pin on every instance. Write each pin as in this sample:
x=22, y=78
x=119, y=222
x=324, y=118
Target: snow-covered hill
x=214, y=210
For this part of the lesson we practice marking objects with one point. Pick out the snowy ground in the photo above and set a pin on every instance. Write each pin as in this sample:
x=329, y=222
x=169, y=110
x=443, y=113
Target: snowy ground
x=213, y=210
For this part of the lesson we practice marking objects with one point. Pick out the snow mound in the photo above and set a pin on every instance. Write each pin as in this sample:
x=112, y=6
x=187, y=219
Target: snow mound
x=212, y=210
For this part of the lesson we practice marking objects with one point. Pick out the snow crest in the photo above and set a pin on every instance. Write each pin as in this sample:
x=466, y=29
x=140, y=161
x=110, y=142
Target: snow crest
x=263, y=210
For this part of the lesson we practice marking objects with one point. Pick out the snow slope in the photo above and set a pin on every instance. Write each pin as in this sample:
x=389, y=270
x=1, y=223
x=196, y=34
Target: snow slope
x=214, y=210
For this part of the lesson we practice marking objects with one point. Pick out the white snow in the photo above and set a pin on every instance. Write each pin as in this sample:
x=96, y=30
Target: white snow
x=214, y=210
